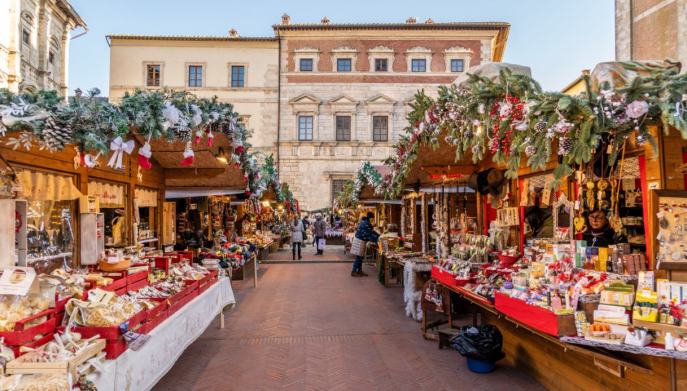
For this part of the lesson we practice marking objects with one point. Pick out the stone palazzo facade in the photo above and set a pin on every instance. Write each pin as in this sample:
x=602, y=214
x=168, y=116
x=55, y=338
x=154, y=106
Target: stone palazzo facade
x=34, y=44
x=321, y=97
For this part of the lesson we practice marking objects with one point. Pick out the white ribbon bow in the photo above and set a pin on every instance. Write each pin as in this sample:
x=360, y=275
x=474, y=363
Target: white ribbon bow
x=118, y=146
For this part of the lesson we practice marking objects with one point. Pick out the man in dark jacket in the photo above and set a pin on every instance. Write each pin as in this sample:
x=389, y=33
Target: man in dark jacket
x=366, y=233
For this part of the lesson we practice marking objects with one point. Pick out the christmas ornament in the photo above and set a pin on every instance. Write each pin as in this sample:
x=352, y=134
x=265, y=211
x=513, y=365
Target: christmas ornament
x=197, y=117
x=91, y=161
x=642, y=138
x=119, y=147
x=540, y=127
x=565, y=145
x=171, y=115
x=189, y=156
x=637, y=109
x=55, y=135
x=144, y=154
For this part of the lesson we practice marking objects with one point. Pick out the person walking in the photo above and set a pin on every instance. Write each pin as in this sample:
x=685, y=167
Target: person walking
x=306, y=225
x=319, y=229
x=365, y=233
x=296, y=237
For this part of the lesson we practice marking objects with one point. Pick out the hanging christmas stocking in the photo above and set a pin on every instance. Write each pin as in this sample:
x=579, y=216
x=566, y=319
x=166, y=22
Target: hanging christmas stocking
x=211, y=138
x=189, y=156
x=199, y=136
x=144, y=154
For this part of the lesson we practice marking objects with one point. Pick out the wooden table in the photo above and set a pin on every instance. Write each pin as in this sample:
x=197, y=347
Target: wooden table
x=550, y=360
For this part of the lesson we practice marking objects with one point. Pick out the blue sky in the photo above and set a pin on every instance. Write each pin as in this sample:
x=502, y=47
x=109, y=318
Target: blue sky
x=556, y=38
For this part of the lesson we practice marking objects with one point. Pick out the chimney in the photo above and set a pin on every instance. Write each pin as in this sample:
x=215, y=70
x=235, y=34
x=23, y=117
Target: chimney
x=285, y=19
x=411, y=20
x=429, y=21
x=325, y=20
x=233, y=33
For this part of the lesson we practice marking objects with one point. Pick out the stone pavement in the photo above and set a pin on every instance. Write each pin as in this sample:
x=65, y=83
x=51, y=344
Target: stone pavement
x=313, y=327
x=332, y=253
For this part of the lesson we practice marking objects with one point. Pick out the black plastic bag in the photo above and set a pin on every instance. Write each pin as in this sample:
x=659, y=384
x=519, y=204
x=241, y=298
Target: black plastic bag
x=479, y=342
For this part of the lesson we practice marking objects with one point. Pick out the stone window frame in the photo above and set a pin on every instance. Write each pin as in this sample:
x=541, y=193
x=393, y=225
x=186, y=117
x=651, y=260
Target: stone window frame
x=245, y=74
x=145, y=73
x=344, y=52
x=203, y=74
x=418, y=53
x=351, y=128
x=306, y=52
x=28, y=25
x=344, y=105
x=332, y=179
x=457, y=53
x=381, y=105
x=314, y=125
x=381, y=52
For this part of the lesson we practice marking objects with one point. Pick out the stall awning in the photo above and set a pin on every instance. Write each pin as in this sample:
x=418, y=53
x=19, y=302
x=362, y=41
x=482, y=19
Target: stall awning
x=111, y=195
x=42, y=186
x=146, y=198
x=190, y=193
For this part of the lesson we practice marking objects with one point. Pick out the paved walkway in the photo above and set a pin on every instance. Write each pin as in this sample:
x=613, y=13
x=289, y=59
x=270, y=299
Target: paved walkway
x=332, y=253
x=313, y=327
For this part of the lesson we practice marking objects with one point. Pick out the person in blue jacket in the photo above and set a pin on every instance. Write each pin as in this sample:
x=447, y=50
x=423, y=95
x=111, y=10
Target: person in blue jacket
x=366, y=233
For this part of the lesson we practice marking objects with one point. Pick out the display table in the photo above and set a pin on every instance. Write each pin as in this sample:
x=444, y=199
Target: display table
x=142, y=369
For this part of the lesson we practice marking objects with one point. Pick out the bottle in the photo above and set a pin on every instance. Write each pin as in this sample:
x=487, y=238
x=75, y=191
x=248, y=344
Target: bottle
x=669, y=341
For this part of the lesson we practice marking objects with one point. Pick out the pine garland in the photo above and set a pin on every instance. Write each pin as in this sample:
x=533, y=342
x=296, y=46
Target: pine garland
x=511, y=118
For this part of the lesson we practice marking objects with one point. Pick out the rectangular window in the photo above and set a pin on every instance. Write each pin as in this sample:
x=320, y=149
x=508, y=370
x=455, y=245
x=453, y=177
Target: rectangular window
x=26, y=37
x=305, y=127
x=457, y=65
x=153, y=75
x=343, y=65
x=418, y=65
x=238, y=76
x=338, y=187
x=305, y=65
x=381, y=65
x=195, y=75
x=380, y=128
x=51, y=57
x=343, y=128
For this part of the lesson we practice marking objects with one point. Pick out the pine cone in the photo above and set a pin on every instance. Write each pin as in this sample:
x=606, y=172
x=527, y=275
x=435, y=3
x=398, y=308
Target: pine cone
x=565, y=145
x=540, y=126
x=56, y=135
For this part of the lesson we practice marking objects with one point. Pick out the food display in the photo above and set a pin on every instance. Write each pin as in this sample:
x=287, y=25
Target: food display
x=103, y=309
x=15, y=308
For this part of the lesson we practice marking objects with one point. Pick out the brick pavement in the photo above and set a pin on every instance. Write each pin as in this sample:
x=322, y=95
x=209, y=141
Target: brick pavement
x=331, y=254
x=313, y=327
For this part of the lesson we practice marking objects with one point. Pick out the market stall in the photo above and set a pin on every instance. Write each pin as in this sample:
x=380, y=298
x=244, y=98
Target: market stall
x=567, y=194
x=87, y=282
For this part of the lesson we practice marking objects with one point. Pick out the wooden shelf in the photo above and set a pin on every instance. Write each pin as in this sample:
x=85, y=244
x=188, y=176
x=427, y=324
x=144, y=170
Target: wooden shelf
x=680, y=265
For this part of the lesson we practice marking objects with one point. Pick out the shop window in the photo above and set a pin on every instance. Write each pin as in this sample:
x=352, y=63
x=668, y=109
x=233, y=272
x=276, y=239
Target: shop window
x=305, y=65
x=343, y=128
x=457, y=65
x=343, y=65
x=381, y=65
x=238, y=76
x=195, y=75
x=418, y=65
x=338, y=187
x=305, y=127
x=153, y=75
x=380, y=128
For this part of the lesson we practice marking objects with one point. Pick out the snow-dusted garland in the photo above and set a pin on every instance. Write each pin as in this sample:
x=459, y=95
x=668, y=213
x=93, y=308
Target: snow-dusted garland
x=515, y=119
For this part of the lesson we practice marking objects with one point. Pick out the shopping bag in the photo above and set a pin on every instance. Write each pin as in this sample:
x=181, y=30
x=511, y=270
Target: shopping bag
x=321, y=243
x=358, y=247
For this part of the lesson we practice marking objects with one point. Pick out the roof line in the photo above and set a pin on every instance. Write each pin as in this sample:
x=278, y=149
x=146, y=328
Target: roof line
x=395, y=26
x=188, y=38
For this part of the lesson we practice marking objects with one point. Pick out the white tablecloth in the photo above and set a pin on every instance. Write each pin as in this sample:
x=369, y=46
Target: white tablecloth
x=141, y=370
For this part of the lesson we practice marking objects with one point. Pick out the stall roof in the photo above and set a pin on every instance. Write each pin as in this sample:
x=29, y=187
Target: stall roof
x=199, y=192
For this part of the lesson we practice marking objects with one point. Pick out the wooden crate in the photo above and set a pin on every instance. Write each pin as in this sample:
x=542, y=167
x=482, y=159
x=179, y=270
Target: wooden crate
x=19, y=366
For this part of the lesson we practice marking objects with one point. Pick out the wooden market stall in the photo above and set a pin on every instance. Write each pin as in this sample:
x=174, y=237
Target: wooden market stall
x=539, y=231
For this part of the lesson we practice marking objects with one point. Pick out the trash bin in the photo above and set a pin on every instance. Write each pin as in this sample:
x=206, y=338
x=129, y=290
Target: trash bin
x=481, y=345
